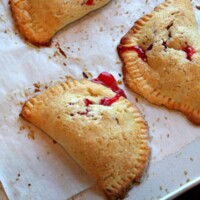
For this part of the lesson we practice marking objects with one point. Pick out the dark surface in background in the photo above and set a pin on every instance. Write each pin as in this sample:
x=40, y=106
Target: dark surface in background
x=193, y=194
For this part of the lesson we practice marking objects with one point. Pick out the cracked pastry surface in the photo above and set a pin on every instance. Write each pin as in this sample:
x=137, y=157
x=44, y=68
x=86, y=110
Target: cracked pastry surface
x=109, y=142
x=161, y=58
x=39, y=20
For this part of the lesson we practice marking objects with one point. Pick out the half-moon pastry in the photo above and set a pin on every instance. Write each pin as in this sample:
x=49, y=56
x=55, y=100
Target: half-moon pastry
x=109, y=141
x=161, y=58
x=39, y=20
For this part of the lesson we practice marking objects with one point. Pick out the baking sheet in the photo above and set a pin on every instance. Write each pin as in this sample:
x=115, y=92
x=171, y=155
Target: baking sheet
x=32, y=166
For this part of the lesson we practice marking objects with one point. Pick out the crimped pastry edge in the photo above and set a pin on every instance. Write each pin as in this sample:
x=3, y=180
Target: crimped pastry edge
x=124, y=186
x=29, y=37
x=23, y=31
x=152, y=95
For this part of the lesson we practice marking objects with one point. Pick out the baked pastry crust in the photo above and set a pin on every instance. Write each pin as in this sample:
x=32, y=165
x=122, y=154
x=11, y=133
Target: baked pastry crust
x=109, y=142
x=170, y=75
x=39, y=20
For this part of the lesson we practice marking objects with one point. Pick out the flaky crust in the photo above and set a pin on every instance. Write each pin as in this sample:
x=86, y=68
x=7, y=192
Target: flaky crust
x=167, y=77
x=109, y=142
x=39, y=20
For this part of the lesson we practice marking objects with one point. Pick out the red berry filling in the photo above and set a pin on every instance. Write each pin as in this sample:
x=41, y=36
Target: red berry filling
x=109, y=81
x=89, y=2
x=87, y=102
x=108, y=101
x=137, y=49
x=190, y=51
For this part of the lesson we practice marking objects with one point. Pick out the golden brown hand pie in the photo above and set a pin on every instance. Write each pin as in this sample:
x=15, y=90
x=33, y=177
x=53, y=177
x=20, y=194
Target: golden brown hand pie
x=109, y=142
x=161, y=58
x=39, y=20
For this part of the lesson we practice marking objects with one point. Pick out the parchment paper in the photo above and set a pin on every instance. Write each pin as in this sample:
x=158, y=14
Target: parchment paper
x=32, y=166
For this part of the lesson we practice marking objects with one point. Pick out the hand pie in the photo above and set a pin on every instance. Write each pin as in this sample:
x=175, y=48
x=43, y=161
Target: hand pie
x=109, y=142
x=39, y=20
x=161, y=58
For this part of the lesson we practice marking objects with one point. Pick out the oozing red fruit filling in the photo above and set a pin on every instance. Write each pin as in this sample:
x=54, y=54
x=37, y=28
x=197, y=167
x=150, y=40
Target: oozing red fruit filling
x=87, y=102
x=190, y=51
x=108, y=101
x=137, y=49
x=109, y=81
x=89, y=2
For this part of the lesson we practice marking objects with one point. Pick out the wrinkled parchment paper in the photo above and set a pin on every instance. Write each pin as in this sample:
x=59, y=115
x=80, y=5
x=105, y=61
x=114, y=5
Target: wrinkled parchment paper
x=32, y=166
